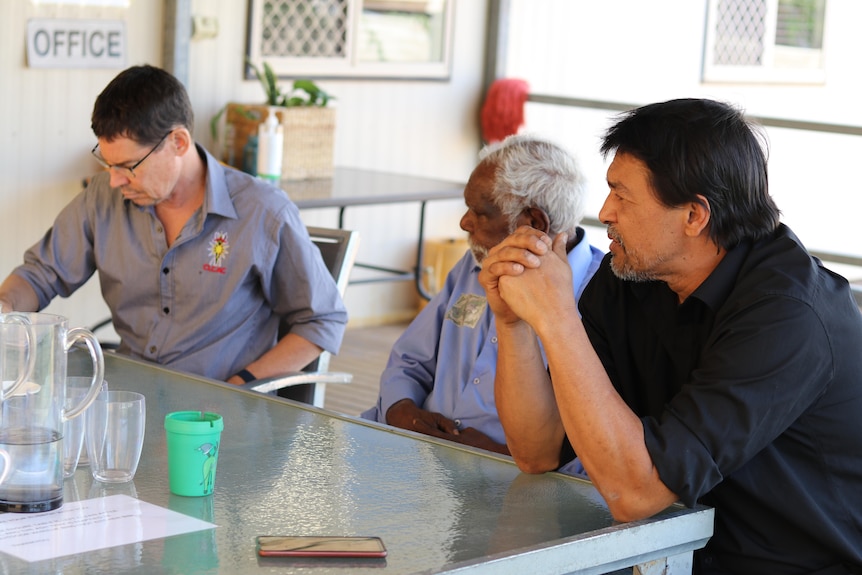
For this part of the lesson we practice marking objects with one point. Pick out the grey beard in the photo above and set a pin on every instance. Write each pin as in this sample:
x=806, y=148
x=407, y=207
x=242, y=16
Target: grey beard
x=479, y=252
x=628, y=274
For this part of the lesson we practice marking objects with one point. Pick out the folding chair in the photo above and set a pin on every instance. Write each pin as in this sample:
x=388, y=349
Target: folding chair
x=338, y=248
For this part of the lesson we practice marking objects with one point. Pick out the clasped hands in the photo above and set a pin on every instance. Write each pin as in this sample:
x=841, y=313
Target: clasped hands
x=527, y=277
x=407, y=415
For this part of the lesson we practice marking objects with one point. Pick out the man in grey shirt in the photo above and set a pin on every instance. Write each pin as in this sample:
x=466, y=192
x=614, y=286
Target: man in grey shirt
x=199, y=263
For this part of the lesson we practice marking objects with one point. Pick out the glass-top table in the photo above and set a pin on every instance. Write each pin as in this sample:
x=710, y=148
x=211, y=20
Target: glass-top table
x=287, y=468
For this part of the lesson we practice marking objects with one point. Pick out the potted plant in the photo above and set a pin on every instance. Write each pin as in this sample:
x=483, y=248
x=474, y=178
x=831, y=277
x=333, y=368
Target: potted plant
x=307, y=119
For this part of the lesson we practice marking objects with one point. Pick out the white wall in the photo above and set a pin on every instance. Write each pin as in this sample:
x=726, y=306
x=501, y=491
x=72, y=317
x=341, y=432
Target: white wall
x=418, y=128
x=45, y=136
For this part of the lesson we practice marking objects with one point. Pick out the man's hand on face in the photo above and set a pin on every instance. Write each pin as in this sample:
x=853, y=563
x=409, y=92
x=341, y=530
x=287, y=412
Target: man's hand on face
x=521, y=251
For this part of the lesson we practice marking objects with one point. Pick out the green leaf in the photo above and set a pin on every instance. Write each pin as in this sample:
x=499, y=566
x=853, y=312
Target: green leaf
x=214, y=123
x=294, y=101
x=271, y=86
x=314, y=96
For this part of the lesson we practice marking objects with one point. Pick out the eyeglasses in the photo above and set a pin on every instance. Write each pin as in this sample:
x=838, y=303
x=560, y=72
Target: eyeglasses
x=131, y=169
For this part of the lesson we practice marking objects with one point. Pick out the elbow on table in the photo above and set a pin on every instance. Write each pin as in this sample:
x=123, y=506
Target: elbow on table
x=632, y=507
x=535, y=466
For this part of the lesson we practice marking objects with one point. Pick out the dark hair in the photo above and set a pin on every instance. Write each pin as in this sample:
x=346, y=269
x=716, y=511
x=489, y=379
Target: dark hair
x=142, y=103
x=702, y=147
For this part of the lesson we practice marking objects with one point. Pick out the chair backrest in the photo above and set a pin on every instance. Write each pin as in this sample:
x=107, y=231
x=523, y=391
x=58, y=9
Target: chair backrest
x=338, y=249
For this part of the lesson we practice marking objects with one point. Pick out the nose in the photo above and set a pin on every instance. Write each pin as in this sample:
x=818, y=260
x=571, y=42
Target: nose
x=118, y=178
x=467, y=222
x=606, y=213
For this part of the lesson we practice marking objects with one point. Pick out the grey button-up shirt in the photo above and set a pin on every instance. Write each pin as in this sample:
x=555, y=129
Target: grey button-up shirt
x=211, y=303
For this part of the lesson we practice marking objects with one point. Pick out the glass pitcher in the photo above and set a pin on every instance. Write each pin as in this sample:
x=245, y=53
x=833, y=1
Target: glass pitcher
x=31, y=424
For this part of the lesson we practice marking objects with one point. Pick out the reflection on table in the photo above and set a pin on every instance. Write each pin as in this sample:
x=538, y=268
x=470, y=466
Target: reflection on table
x=290, y=469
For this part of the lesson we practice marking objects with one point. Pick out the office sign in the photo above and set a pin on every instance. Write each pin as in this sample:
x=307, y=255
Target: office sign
x=67, y=43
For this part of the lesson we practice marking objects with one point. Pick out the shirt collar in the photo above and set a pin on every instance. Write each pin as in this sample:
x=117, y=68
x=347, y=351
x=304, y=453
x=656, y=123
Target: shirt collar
x=580, y=257
x=717, y=286
x=217, y=198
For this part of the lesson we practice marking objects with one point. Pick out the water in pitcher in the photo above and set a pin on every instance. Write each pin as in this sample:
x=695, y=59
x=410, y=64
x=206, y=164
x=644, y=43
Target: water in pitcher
x=32, y=476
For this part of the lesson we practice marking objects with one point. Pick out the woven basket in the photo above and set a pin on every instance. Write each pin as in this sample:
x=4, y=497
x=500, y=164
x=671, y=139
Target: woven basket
x=309, y=136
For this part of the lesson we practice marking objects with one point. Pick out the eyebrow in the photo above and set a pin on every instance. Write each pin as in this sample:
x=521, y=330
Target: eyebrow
x=616, y=185
x=125, y=164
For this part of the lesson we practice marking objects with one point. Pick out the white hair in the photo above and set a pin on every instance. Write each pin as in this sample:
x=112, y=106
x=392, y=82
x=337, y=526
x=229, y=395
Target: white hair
x=533, y=171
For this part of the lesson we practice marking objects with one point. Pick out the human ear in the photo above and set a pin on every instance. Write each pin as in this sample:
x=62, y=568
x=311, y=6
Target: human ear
x=537, y=218
x=182, y=140
x=698, y=216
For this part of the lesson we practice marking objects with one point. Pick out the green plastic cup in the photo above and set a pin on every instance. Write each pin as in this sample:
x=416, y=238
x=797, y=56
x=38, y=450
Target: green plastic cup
x=193, y=443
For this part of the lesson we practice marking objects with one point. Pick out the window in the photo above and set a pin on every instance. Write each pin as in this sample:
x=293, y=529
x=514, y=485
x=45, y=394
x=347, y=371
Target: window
x=337, y=38
x=764, y=41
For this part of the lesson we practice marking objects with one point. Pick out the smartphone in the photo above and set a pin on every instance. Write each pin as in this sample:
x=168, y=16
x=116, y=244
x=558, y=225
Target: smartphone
x=314, y=546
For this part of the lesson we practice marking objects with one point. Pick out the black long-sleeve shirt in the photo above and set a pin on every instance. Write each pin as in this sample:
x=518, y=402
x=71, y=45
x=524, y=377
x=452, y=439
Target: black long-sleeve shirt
x=750, y=393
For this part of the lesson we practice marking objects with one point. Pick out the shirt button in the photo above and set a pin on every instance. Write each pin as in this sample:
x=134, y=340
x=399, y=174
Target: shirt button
x=152, y=349
x=165, y=271
x=166, y=310
x=494, y=339
x=159, y=229
x=476, y=380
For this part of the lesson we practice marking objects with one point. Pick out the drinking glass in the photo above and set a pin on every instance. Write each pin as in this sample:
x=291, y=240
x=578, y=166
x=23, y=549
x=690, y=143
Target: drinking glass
x=115, y=435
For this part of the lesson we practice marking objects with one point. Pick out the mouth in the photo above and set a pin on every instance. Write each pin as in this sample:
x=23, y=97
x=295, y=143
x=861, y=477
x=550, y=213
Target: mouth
x=615, y=238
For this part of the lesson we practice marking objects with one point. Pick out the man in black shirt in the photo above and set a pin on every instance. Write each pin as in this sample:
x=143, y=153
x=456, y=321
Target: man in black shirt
x=716, y=362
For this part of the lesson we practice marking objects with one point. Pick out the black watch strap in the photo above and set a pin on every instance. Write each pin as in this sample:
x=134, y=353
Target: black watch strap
x=245, y=375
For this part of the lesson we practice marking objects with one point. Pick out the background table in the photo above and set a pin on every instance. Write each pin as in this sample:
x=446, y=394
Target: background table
x=354, y=187
x=289, y=469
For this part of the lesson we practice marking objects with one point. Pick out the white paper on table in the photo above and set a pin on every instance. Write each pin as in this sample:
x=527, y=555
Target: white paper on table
x=89, y=525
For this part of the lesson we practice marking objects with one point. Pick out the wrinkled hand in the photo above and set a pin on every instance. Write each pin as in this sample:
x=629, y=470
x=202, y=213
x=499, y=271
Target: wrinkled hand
x=475, y=438
x=407, y=415
x=527, y=277
x=511, y=258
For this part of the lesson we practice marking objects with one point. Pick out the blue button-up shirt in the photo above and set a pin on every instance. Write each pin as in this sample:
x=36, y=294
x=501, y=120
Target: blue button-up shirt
x=446, y=359
x=210, y=303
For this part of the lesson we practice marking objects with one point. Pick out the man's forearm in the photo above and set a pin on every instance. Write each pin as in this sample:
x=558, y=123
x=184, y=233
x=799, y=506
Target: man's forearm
x=605, y=433
x=291, y=353
x=525, y=400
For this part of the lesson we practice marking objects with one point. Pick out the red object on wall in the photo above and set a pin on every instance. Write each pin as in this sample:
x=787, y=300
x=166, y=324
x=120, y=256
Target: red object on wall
x=503, y=110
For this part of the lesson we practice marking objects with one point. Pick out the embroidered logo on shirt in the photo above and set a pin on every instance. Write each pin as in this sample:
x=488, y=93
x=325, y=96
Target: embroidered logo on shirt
x=467, y=310
x=218, y=250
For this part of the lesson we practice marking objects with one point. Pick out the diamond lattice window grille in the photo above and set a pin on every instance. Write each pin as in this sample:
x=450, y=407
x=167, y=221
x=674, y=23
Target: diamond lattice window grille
x=740, y=30
x=316, y=29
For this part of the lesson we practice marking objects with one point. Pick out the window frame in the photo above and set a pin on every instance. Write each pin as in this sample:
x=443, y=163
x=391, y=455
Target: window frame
x=348, y=66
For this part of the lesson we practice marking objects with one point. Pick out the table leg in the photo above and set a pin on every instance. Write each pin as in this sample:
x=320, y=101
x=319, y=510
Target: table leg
x=674, y=565
x=420, y=254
